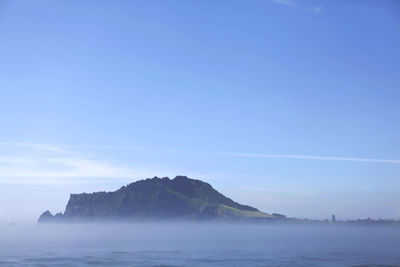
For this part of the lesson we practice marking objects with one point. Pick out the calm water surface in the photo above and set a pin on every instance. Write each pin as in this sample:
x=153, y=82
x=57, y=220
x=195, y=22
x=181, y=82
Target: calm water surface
x=187, y=244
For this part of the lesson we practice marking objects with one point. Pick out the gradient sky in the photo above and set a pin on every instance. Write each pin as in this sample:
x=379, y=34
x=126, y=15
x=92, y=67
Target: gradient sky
x=289, y=106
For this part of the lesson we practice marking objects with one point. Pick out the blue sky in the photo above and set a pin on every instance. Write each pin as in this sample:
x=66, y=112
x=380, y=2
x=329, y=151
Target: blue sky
x=290, y=106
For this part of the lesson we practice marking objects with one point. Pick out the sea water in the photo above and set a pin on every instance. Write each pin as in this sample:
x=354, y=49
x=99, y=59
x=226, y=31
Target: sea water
x=190, y=244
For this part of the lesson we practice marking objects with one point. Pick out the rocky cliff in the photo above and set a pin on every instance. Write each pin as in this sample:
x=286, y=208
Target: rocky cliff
x=156, y=199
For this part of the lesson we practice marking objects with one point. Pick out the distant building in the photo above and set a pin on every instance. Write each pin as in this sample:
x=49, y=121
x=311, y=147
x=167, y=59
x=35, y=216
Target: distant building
x=333, y=218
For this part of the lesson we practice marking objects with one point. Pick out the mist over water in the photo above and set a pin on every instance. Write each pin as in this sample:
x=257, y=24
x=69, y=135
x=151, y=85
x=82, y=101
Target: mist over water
x=191, y=244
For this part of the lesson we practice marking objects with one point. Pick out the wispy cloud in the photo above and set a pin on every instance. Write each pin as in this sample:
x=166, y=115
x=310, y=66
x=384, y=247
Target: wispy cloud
x=295, y=4
x=254, y=155
x=328, y=158
x=58, y=165
x=136, y=148
x=31, y=170
x=44, y=147
x=49, y=164
x=231, y=154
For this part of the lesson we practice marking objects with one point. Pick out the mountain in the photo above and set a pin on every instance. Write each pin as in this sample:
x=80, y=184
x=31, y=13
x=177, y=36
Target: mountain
x=156, y=199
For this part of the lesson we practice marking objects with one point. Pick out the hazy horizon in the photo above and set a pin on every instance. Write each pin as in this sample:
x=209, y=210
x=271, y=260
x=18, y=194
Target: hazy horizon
x=197, y=245
x=288, y=106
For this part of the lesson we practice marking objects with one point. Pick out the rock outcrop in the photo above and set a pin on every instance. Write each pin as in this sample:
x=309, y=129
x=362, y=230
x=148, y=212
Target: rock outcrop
x=156, y=199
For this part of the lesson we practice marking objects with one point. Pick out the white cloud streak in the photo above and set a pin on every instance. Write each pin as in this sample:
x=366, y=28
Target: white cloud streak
x=328, y=158
x=44, y=147
x=59, y=167
x=292, y=4
x=33, y=163
x=61, y=170
x=54, y=148
x=254, y=155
